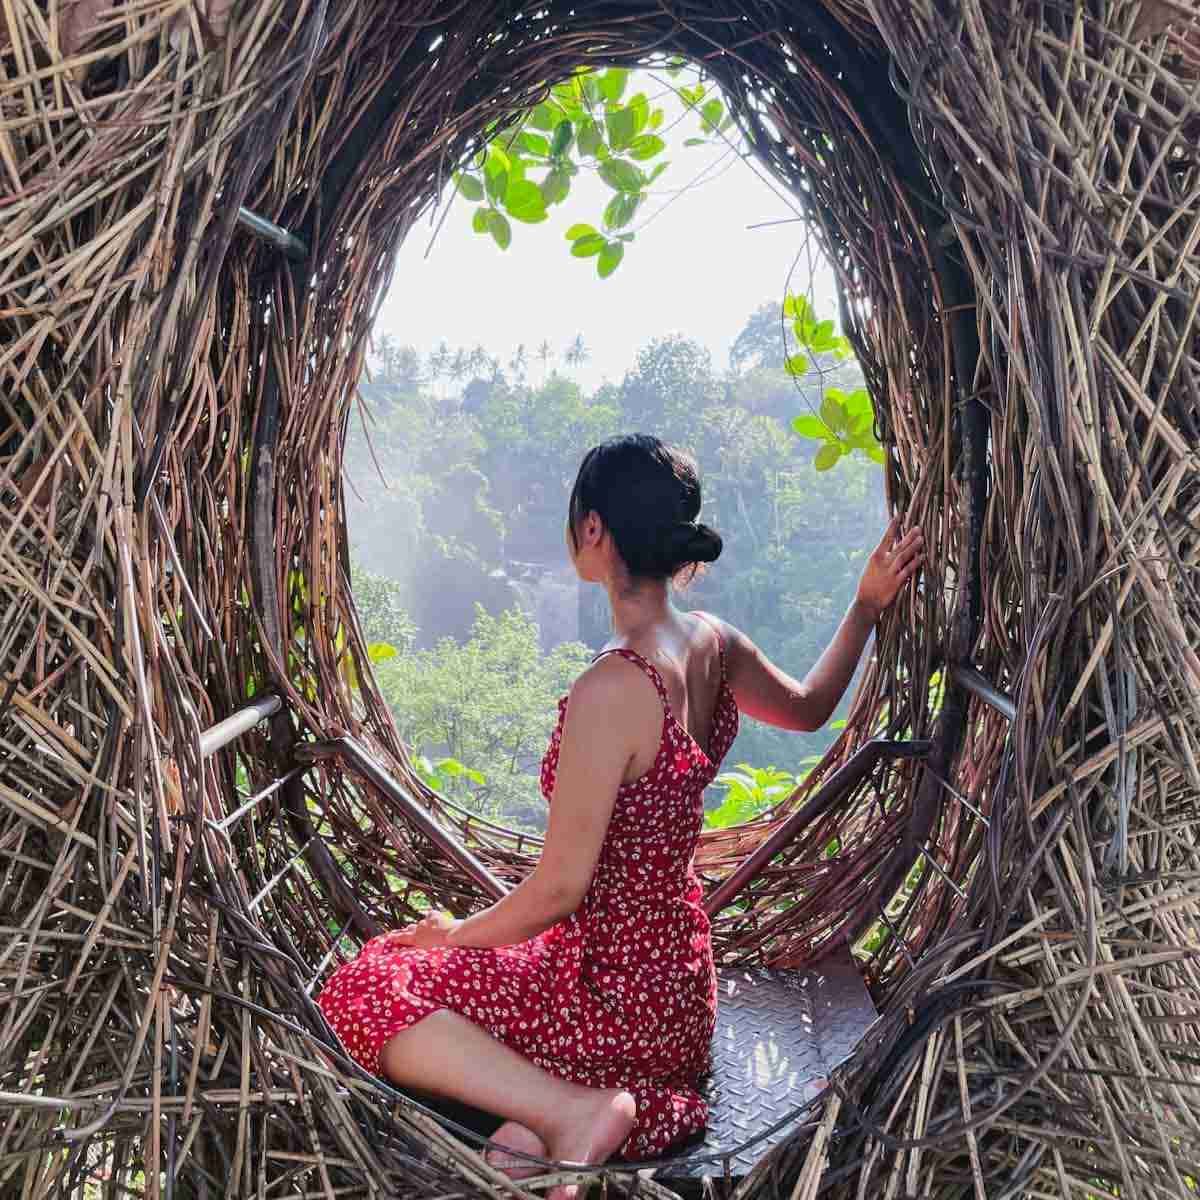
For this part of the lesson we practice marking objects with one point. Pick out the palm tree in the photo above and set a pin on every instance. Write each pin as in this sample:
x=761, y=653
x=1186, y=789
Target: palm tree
x=383, y=348
x=439, y=361
x=478, y=361
x=577, y=353
x=518, y=362
x=545, y=354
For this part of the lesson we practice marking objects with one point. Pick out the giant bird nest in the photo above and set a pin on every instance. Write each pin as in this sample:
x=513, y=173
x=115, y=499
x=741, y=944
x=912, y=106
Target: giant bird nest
x=1011, y=198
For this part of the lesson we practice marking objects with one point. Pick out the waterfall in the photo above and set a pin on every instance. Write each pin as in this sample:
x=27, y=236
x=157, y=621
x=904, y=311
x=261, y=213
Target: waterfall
x=548, y=593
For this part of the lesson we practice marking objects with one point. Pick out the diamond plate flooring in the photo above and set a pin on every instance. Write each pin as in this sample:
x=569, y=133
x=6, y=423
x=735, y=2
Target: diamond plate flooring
x=778, y=1035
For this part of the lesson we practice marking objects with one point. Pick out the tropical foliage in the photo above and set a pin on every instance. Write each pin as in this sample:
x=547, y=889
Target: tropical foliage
x=478, y=471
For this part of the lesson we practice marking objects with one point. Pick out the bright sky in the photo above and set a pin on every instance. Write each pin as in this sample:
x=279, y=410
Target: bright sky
x=697, y=269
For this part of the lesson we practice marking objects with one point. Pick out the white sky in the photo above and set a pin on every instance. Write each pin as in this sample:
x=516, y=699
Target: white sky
x=696, y=269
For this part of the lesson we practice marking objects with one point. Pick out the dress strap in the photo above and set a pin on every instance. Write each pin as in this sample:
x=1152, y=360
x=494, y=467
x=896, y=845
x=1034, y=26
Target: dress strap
x=720, y=640
x=648, y=667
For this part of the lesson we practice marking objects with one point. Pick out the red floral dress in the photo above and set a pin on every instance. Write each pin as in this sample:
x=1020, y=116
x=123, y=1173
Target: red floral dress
x=620, y=994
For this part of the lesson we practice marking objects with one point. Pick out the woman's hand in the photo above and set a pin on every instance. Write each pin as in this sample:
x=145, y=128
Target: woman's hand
x=429, y=934
x=891, y=565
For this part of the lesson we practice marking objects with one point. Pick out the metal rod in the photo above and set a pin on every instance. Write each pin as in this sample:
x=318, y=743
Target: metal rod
x=271, y=788
x=356, y=756
x=960, y=798
x=843, y=781
x=933, y=862
x=978, y=685
x=218, y=736
x=896, y=937
x=270, y=884
x=280, y=238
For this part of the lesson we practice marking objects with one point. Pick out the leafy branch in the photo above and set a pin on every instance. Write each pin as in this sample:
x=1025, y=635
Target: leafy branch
x=584, y=123
x=847, y=419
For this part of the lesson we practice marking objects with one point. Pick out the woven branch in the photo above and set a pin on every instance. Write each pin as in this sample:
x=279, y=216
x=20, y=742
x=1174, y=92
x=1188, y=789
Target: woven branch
x=1010, y=198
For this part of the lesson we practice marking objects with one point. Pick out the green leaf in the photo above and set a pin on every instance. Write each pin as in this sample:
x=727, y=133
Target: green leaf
x=524, y=202
x=469, y=186
x=622, y=127
x=589, y=138
x=555, y=186
x=795, y=364
x=621, y=175
x=588, y=245
x=379, y=652
x=823, y=336
x=499, y=228
x=620, y=210
x=809, y=426
x=591, y=90
x=562, y=137
x=710, y=114
x=646, y=145
x=479, y=221
x=795, y=307
x=535, y=143
x=857, y=401
x=610, y=259
x=612, y=83
x=640, y=107
x=876, y=454
x=451, y=768
x=833, y=414
x=578, y=231
x=544, y=116
x=695, y=141
x=827, y=456
x=659, y=168
x=495, y=173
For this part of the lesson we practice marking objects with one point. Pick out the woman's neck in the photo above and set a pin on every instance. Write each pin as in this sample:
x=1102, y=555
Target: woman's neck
x=638, y=605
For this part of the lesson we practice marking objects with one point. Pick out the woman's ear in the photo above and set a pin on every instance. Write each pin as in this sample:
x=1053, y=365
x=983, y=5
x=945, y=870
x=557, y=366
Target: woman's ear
x=593, y=529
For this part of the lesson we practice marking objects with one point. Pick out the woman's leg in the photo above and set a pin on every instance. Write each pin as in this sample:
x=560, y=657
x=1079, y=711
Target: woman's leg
x=449, y=1055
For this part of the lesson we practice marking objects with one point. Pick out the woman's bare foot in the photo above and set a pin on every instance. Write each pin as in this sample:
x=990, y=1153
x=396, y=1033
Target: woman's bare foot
x=512, y=1135
x=591, y=1132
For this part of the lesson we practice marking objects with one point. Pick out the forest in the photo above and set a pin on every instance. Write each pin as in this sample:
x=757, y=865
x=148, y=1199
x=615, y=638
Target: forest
x=460, y=466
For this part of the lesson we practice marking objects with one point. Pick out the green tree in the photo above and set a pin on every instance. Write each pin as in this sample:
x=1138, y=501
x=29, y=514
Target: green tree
x=669, y=387
x=490, y=704
x=577, y=353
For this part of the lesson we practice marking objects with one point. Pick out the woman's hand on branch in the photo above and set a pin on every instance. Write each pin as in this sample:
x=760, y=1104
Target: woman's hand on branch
x=429, y=934
x=891, y=565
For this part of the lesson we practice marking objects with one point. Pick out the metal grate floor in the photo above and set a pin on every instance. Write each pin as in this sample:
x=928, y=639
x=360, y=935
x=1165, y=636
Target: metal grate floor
x=779, y=1035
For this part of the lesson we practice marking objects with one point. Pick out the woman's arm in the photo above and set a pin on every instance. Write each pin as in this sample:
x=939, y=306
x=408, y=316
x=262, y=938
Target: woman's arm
x=765, y=692
x=606, y=720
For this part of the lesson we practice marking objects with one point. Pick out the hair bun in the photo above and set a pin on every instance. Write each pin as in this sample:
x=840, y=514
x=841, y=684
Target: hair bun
x=692, y=542
x=705, y=544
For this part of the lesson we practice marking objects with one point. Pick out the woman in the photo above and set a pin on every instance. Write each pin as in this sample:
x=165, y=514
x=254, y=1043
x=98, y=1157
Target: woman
x=580, y=1007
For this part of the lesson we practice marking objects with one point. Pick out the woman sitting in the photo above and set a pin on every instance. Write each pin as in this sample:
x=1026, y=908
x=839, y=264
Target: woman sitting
x=580, y=1007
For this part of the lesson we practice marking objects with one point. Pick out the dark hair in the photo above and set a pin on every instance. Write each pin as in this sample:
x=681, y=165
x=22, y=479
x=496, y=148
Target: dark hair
x=648, y=496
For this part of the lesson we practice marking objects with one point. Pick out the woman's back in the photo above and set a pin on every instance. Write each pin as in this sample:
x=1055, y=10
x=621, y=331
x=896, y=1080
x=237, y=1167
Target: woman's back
x=647, y=852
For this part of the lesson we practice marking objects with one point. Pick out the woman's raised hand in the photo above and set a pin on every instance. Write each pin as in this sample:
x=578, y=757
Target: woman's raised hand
x=891, y=565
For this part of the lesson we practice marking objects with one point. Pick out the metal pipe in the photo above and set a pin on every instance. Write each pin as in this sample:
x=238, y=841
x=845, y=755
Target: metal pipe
x=280, y=238
x=218, y=736
x=356, y=756
x=979, y=685
x=843, y=781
